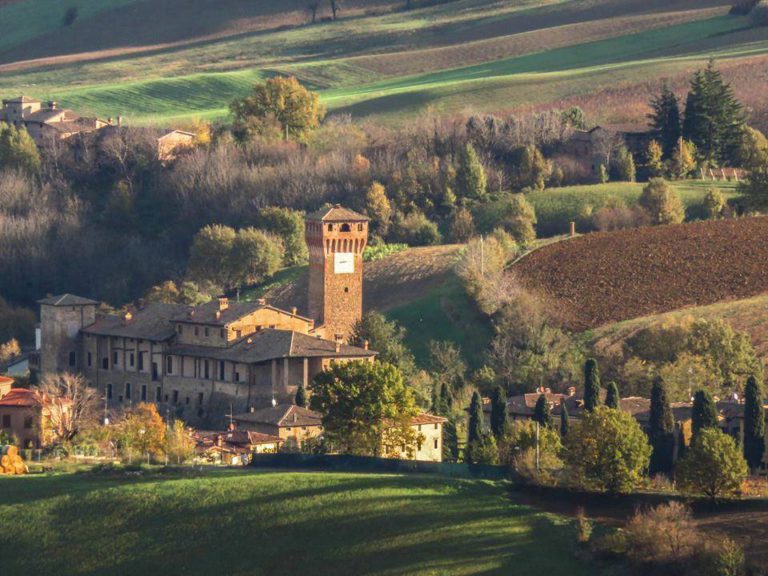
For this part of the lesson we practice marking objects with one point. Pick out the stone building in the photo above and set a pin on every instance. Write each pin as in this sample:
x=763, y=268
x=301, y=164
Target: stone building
x=204, y=361
x=46, y=122
x=29, y=417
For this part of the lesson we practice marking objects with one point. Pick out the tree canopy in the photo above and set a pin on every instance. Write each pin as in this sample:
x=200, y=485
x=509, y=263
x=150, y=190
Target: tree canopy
x=17, y=150
x=665, y=120
x=713, y=466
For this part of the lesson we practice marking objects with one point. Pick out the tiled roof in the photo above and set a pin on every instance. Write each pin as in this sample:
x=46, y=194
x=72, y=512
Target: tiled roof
x=244, y=438
x=67, y=300
x=206, y=313
x=282, y=415
x=337, y=213
x=21, y=398
x=153, y=322
x=427, y=419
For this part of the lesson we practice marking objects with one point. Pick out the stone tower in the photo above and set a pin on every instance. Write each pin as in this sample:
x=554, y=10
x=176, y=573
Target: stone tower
x=336, y=238
x=61, y=318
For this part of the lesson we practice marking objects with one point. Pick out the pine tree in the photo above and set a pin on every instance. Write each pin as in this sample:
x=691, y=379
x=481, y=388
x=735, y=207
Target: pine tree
x=301, y=397
x=541, y=413
x=565, y=424
x=754, y=423
x=475, y=428
x=665, y=120
x=470, y=175
x=591, y=385
x=704, y=412
x=612, y=398
x=661, y=429
x=499, y=418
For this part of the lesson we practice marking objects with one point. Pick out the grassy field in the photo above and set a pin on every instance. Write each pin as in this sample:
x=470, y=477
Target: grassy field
x=253, y=523
x=174, y=61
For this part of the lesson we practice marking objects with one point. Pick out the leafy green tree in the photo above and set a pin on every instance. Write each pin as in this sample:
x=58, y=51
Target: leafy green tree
x=624, y=169
x=511, y=212
x=301, y=397
x=279, y=101
x=755, y=187
x=703, y=412
x=612, y=397
x=446, y=364
x=661, y=203
x=179, y=444
x=565, y=421
x=533, y=169
x=574, y=118
x=475, y=427
x=367, y=408
x=142, y=433
x=446, y=399
x=484, y=450
x=288, y=225
x=499, y=416
x=387, y=338
x=210, y=255
x=661, y=429
x=654, y=159
x=665, y=120
x=591, y=385
x=754, y=423
x=414, y=229
x=255, y=255
x=714, y=203
x=542, y=413
x=17, y=150
x=608, y=451
x=713, y=466
x=470, y=174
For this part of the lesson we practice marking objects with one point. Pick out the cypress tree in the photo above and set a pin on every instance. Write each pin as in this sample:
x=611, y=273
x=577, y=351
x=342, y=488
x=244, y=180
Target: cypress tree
x=450, y=442
x=661, y=429
x=665, y=120
x=470, y=175
x=704, y=412
x=591, y=385
x=475, y=428
x=541, y=413
x=446, y=399
x=754, y=423
x=499, y=418
x=565, y=424
x=301, y=397
x=612, y=398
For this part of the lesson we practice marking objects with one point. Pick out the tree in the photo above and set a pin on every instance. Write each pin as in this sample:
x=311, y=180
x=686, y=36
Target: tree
x=683, y=161
x=612, y=398
x=661, y=429
x=475, y=427
x=17, y=150
x=446, y=399
x=665, y=120
x=602, y=174
x=565, y=422
x=624, y=166
x=387, y=338
x=301, y=397
x=483, y=450
x=70, y=15
x=415, y=229
x=288, y=225
x=255, y=256
x=334, y=7
x=450, y=442
x=511, y=212
x=755, y=187
x=470, y=175
x=541, y=412
x=8, y=352
x=661, y=203
x=608, y=451
x=179, y=445
x=714, y=203
x=533, y=169
x=591, y=385
x=366, y=407
x=312, y=7
x=703, y=412
x=462, y=226
x=209, y=257
x=754, y=423
x=74, y=404
x=142, y=432
x=654, y=159
x=499, y=416
x=378, y=208
x=713, y=466
x=282, y=100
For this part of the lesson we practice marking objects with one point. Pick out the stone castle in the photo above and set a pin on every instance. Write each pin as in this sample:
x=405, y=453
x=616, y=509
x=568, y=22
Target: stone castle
x=204, y=361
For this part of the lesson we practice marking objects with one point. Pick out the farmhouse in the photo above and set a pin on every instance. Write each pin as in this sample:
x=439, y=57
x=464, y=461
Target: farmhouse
x=202, y=361
x=234, y=446
x=29, y=416
x=47, y=122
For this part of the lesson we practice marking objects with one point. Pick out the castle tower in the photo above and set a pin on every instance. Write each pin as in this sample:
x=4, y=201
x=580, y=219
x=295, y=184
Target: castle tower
x=336, y=238
x=61, y=319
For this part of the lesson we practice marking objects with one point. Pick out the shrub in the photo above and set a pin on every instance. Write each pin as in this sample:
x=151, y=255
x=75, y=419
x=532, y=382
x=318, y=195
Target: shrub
x=759, y=14
x=664, y=535
x=415, y=229
x=713, y=466
x=375, y=252
x=662, y=203
x=512, y=212
x=714, y=203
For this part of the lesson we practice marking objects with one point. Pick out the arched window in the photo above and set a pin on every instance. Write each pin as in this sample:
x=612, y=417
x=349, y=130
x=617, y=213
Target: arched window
x=345, y=227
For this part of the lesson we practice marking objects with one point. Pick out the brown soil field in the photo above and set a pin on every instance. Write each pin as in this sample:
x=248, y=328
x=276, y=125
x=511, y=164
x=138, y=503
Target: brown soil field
x=613, y=276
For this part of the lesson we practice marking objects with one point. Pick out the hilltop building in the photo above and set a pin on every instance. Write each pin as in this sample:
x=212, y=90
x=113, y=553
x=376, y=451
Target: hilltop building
x=47, y=122
x=205, y=361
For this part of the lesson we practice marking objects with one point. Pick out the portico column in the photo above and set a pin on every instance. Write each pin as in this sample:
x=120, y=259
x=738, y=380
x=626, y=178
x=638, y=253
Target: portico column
x=306, y=373
x=286, y=367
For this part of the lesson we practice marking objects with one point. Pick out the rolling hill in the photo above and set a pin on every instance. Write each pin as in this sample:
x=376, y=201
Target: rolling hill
x=172, y=61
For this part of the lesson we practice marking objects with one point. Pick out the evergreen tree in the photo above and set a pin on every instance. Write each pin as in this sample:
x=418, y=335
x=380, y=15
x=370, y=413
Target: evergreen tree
x=446, y=399
x=612, y=398
x=754, y=423
x=450, y=442
x=475, y=428
x=541, y=413
x=665, y=120
x=499, y=418
x=301, y=397
x=470, y=175
x=591, y=385
x=704, y=412
x=661, y=429
x=565, y=424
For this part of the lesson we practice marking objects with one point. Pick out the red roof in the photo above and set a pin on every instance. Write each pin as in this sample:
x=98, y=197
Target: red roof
x=427, y=419
x=21, y=397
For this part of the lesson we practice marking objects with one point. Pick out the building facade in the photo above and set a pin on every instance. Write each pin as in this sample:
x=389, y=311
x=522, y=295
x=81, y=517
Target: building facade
x=46, y=122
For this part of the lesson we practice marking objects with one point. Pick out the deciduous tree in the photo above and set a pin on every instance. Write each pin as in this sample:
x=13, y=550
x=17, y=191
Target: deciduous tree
x=17, y=150
x=714, y=466
x=661, y=203
x=74, y=404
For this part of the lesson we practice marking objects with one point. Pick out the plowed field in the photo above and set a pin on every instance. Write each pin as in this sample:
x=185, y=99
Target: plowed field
x=612, y=276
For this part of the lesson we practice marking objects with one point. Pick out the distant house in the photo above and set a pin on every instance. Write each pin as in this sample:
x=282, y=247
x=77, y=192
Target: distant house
x=171, y=142
x=290, y=423
x=234, y=447
x=430, y=430
x=28, y=416
x=596, y=146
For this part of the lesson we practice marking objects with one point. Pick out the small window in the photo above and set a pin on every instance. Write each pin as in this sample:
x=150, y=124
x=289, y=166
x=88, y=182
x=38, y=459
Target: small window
x=345, y=227
x=197, y=331
x=180, y=329
x=109, y=391
x=200, y=397
x=127, y=390
x=205, y=331
x=158, y=394
x=238, y=333
x=6, y=420
x=141, y=360
x=169, y=364
x=114, y=358
x=206, y=369
x=346, y=289
x=330, y=227
x=359, y=227
x=175, y=396
x=223, y=334
x=221, y=370
x=105, y=363
x=72, y=358
x=237, y=376
x=435, y=425
x=435, y=443
x=90, y=360
x=132, y=359
x=186, y=400
x=143, y=392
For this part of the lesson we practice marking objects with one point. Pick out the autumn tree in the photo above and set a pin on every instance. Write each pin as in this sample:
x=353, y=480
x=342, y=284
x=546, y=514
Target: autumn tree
x=281, y=100
x=378, y=208
x=683, y=161
x=366, y=407
x=74, y=404
x=713, y=466
x=714, y=203
x=654, y=159
x=9, y=351
x=661, y=203
x=142, y=432
x=533, y=169
x=179, y=445
x=623, y=166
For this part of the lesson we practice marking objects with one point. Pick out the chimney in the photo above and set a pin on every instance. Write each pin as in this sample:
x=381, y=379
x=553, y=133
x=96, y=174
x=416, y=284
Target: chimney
x=338, y=346
x=294, y=310
x=52, y=104
x=295, y=417
x=218, y=314
x=231, y=426
x=223, y=303
x=262, y=301
x=127, y=317
x=191, y=313
x=571, y=391
x=365, y=344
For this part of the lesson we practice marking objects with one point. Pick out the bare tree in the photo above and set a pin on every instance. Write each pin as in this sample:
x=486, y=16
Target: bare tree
x=72, y=403
x=312, y=8
x=335, y=5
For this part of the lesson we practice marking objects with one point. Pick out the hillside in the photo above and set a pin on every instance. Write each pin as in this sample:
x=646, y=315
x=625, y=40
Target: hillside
x=252, y=523
x=171, y=61
x=607, y=277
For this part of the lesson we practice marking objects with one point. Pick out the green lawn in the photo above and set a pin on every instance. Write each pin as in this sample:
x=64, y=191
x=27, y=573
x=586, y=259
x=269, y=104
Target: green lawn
x=274, y=523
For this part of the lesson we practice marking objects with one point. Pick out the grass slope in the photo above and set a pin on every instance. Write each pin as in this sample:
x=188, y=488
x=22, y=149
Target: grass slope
x=251, y=523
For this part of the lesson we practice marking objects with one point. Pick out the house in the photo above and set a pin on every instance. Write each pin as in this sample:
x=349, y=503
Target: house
x=292, y=424
x=430, y=430
x=234, y=447
x=171, y=142
x=596, y=146
x=30, y=417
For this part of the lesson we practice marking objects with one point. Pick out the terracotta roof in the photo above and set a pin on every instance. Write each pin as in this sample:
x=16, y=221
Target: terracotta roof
x=235, y=437
x=21, y=99
x=67, y=300
x=206, y=313
x=21, y=398
x=47, y=114
x=153, y=322
x=282, y=415
x=427, y=419
x=337, y=214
